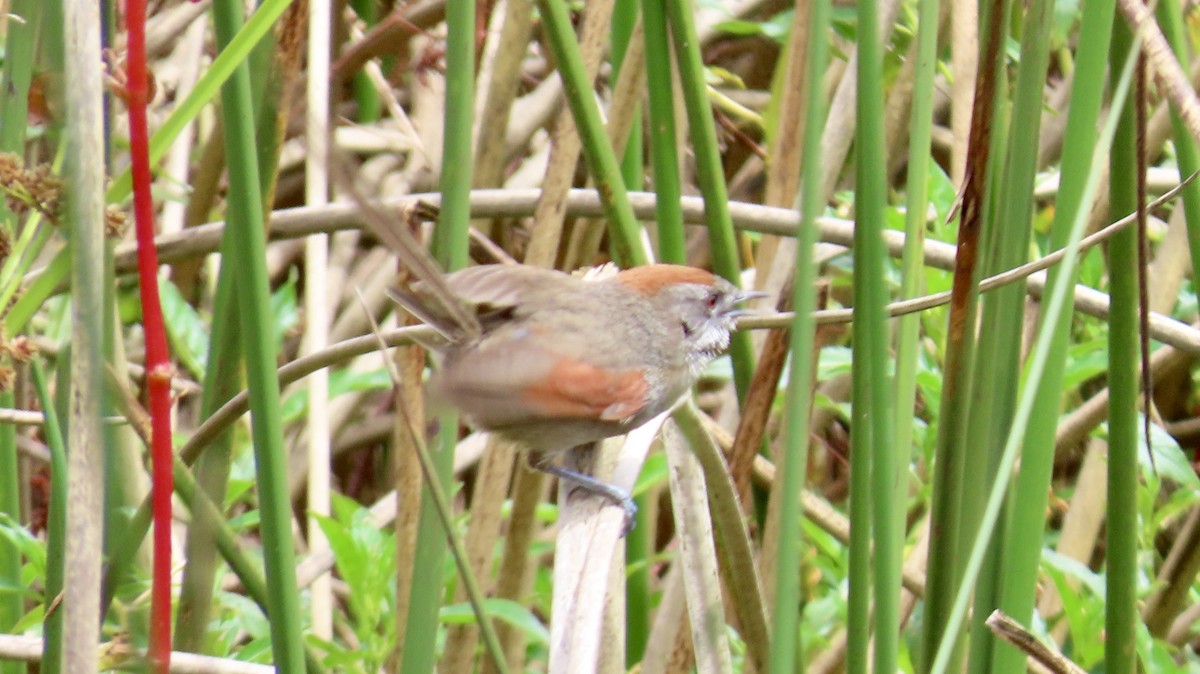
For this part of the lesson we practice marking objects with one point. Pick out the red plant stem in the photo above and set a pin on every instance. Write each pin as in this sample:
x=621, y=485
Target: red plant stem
x=158, y=367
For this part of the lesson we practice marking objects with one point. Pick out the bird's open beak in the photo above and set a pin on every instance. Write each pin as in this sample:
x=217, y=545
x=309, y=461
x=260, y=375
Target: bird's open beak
x=745, y=296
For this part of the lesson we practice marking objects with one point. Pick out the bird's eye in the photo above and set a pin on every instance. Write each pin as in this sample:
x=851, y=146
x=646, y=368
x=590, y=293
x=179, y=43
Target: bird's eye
x=712, y=300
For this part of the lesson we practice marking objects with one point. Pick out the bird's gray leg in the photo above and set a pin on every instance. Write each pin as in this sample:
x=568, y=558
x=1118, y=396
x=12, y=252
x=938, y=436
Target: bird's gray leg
x=613, y=493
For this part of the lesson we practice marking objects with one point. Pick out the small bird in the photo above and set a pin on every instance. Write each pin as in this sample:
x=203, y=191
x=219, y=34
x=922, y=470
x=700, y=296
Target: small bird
x=553, y=361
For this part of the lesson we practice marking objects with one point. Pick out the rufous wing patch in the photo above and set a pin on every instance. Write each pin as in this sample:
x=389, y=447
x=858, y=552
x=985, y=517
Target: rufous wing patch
x=576, y=389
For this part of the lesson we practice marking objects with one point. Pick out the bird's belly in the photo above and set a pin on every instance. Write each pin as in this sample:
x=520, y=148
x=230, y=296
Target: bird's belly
x=560, y=434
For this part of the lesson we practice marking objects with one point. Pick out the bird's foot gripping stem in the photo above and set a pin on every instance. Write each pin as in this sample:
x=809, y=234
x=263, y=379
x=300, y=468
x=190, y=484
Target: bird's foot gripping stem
x=588, y=483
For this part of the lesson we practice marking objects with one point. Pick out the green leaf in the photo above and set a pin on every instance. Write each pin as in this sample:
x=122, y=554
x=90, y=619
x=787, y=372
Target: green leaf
x=942, y=194
x=1084, y=611
x=833, y=361
x=246, y=521
x=257, y=650
x=1073, y=568
x=31, y=620
x=776, y=28
x=245, y=614
x=187, y=331
x=295, y=406
x=654, y=472
x=1085, y=361
x=29, y=546
x=237, y=490
x=366, y=561
x=1156, y=655
x=284, y=307
x=11, y=588
x=739, y=27
x=1169, y=459
x=349, y=562
x=507, y=610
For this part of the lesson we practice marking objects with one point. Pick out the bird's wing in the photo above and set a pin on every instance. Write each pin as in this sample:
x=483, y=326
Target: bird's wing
x=445, y=326
x=481, y=292
x=519, y=381
x=498, y=286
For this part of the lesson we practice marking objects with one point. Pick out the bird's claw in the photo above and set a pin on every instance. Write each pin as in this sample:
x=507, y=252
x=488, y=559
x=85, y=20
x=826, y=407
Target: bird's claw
x=610, y=492
x=619, y=498
x=630, y=507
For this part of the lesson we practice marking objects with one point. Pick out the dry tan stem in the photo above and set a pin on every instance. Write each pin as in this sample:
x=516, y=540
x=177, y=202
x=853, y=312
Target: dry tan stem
x=839, y=129
x=1175, y=578
x=376, y=276
x=491, y=488
x=815, y=508
x=587, y=233
x=627, y=92
x=303, y=221
x=1016, y=634
x=613, y=625
x=205, y=182
x=782, y=178
x=1054, y=122
x=189, y=49
x=588, y=543
x=516, y=573
x=1075, y=427
x=29, y=649
x=85, y=463
x=500, y=77
x=531, y=113
x=410, y=361
x=391, y=34
x=1172, y=262
x=964, y=36
x=670, y=620
x=1184, y=627
x=1167, y=71
x=835, y=145
x=698, y=556
x=1081, y=526
x=564, y=154
x=899, y=103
